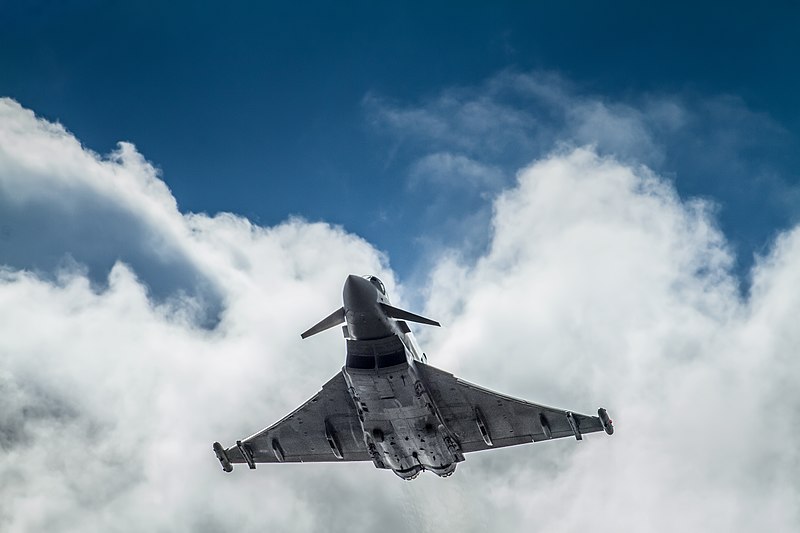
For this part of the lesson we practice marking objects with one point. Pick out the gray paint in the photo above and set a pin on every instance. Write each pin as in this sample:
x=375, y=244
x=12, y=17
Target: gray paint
x=389, y=407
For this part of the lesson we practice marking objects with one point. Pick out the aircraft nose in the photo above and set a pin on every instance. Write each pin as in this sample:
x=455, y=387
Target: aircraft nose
x=359, y=293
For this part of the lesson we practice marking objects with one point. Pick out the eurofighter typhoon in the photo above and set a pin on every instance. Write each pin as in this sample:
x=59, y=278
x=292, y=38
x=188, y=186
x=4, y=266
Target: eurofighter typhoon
x=388, y=406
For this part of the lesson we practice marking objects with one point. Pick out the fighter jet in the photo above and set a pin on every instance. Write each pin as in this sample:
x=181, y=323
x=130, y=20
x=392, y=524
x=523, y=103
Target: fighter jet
x=388, y=406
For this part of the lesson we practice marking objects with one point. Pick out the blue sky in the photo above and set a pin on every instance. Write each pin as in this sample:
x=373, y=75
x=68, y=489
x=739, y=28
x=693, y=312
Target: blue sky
x=576, y=191
x=270, y=110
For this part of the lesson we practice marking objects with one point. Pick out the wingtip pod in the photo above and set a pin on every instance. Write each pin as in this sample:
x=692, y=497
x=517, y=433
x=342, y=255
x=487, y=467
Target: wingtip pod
x=605, y=421
x=219, y=451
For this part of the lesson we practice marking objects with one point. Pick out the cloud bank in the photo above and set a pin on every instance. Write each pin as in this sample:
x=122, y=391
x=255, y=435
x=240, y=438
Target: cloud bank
x=465, y=144
x=599, y=286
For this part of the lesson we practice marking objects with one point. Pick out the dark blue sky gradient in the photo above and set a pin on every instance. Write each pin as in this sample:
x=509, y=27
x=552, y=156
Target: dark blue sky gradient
x=258, y=108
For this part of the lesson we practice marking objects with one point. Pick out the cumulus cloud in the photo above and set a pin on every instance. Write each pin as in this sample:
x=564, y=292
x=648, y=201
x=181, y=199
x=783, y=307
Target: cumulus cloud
x=600, y=286
x=62, y=205
x=710, y=145
x=605, y=287
x=112, y=394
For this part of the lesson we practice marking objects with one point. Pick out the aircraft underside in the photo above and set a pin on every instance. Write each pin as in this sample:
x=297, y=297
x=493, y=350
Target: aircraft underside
x=401, y=428
x=389, y=406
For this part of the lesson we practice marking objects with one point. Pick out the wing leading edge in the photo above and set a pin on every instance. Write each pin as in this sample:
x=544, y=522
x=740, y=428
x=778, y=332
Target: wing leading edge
x=325, y=428
x=483, y=419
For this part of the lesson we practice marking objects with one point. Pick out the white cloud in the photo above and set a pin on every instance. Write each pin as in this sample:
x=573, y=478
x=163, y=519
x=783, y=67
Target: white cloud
x=513, y=118
x=455, y=170
x=516, y=117
x=711, y=146
x=112, y=399
x=600, y=287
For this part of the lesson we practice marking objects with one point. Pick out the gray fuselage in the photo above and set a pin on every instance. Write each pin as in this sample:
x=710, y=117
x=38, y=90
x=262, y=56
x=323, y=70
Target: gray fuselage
x=402, y=428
